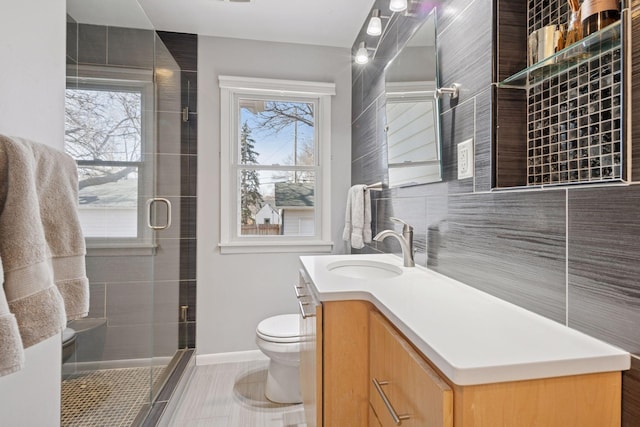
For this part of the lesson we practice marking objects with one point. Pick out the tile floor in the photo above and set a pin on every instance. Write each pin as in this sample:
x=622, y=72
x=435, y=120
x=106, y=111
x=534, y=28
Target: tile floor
x=232, y=395
x=106, y=398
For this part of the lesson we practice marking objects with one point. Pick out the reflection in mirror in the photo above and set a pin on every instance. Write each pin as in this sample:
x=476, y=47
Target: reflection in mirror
x=412, y=130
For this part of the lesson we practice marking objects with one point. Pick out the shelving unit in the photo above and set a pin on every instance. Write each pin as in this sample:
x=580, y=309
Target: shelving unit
x=607, y=39
x=574, y=110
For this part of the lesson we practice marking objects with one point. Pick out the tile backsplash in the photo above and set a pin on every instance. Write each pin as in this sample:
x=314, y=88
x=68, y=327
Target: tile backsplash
x=570, y=254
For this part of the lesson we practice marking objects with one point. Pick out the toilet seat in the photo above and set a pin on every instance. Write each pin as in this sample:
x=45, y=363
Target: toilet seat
x=68, y=334
x=284, y=328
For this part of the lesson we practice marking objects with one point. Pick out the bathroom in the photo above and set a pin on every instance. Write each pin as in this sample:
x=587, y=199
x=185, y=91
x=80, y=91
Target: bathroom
x=534, y=260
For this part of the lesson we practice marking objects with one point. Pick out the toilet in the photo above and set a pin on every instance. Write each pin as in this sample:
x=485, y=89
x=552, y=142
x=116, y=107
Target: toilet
x=68, y=343
x=84, y=339
x=278, y=337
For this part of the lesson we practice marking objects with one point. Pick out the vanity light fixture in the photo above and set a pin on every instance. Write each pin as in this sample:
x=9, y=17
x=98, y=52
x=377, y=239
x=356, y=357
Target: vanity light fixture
x=375, y=23
x=362, y=55
x=374, y=28
x=397, y=5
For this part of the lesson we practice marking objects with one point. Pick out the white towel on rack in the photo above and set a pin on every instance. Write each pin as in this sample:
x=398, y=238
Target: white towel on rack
x=41, y=247
x=357, y=219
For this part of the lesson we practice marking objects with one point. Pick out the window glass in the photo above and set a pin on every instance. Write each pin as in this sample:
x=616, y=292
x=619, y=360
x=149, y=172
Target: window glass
x=284, y=199
x=276, y=200
x=104, y=133
x=281, y=132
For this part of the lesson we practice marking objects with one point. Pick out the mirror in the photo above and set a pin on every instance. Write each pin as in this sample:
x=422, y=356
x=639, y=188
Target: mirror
x=412, y=125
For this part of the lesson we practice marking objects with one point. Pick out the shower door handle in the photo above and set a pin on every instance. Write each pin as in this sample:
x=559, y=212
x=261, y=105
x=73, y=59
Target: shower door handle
x=150, y=203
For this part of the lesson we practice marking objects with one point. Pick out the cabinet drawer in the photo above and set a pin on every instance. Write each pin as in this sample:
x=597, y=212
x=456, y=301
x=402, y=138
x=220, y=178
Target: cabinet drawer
x=409, y=385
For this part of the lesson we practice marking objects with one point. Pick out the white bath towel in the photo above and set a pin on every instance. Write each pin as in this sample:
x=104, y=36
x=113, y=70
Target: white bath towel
x=41, y=245
x=357, y=218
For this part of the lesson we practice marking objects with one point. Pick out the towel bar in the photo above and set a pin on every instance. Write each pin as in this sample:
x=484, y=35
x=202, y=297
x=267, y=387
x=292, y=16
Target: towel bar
x=374, y=187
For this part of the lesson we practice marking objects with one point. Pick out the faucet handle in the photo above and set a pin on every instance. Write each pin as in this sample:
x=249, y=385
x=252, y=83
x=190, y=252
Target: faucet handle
x=405, y=227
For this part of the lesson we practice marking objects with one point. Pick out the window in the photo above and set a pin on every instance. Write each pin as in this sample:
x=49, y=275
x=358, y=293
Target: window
x=275, y=138
x=107, y=130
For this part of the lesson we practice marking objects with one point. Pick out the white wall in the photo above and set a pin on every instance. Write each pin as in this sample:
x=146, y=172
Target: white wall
x=235, y=292
x=32, y=81
x=32, y=75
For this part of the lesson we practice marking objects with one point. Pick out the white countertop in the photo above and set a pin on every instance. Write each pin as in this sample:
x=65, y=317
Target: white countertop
x=471, y=336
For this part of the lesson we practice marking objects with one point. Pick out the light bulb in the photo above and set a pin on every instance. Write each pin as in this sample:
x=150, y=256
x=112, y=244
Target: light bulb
x=362, y=55
x=375, y=24
x=397, y=5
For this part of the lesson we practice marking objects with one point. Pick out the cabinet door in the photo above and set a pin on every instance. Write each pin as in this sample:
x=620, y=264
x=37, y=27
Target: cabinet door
x=407, y=385
x=346, y=363
x=310, y=355
x=373, y=418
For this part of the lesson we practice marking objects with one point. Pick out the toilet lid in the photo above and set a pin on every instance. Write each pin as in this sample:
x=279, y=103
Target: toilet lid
x=282, y=328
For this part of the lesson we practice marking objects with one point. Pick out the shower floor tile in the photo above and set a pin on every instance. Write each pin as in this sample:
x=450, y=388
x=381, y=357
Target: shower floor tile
x=106, y=398
x=232, y=395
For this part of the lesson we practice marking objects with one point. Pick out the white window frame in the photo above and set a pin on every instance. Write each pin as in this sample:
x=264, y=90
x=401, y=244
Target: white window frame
x=89, y=77
x=233, y=88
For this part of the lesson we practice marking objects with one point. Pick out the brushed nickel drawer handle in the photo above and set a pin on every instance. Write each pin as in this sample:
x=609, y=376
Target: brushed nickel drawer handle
x=297, y=289
x=302, y=312
x=396, y=418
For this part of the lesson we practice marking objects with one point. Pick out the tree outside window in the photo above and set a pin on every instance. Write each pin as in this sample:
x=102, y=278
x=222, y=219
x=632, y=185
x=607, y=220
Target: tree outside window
x=104, y=133
x=250, y=197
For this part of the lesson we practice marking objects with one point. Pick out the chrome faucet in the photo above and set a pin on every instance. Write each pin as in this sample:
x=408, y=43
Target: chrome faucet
x=405, y=239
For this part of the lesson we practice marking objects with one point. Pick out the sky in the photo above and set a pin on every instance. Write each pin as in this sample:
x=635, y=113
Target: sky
x=274, y=148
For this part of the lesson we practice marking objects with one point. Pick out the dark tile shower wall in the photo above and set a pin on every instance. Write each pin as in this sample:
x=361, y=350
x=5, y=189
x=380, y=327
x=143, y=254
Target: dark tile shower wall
x=72, y=41
x=184, y=49
x=570, y=254
x=142, y=299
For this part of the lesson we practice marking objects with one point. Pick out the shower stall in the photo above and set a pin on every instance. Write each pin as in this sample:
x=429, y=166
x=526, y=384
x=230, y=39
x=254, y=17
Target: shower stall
x=130, y=124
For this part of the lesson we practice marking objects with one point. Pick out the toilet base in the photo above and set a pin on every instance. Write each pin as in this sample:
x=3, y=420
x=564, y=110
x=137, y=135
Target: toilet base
x=283, y=383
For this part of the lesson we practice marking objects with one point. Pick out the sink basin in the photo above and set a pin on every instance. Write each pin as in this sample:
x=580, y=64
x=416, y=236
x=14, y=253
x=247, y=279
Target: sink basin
x=363, y=269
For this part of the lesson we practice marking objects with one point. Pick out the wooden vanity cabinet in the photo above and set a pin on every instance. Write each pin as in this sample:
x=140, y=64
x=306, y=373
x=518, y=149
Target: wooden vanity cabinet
x=373, y=418
x=310, y=352
x=402, y=384
x=345, y=391
x=358, y=343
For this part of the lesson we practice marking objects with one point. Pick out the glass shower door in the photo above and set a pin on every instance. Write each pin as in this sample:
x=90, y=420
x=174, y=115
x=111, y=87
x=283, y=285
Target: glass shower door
x=122, y=118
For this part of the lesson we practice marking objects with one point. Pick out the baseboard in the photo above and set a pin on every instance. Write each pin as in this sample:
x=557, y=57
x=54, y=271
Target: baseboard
x=231, y=357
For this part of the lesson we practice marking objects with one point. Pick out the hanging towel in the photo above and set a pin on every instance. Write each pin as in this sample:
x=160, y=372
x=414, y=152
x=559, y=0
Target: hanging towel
x=57, y=184
x=41, y=245
x=11, y=354
x=357, y=219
